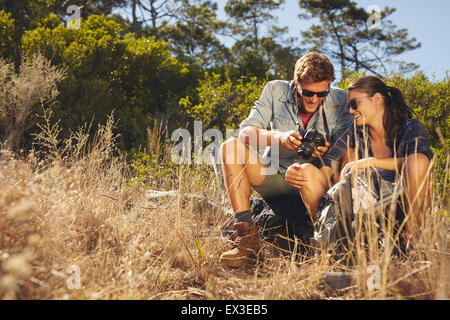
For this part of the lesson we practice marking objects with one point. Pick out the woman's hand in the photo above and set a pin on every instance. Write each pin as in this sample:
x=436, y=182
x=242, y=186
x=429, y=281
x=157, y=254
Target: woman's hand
x=357, y=165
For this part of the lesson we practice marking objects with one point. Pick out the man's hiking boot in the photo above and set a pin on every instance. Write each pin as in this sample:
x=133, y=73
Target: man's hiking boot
x=246, y=246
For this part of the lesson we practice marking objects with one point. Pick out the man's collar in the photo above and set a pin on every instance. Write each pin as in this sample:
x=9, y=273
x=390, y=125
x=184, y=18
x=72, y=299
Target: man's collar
x=290, y=93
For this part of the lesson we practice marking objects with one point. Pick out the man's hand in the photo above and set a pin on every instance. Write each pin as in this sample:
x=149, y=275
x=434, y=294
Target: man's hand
x=295, y=177
x=320, y=151
x=290, y=140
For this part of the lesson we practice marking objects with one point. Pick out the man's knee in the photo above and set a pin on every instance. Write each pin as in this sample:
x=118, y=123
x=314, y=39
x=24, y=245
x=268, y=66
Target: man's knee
x=229, y=143
x=314, y=176
x=309, y=170
x=230, y=151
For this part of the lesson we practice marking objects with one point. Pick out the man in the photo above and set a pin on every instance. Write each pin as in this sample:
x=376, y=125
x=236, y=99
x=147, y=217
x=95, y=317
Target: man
x=306, y=102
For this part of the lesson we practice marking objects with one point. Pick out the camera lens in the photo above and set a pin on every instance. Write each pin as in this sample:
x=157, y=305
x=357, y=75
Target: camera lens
x=311, y=140
x=306, y=150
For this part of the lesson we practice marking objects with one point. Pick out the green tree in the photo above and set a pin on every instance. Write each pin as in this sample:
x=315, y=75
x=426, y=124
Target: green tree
x=347, y=35
x=87, y=7
x=7, y=44
x=281, y=58
x=190, y=28
x=24, y=12
x=260, y=48
x=135, y=76
x=249, y=16
x=149, y=15
x=222, y=103
x=193, y=38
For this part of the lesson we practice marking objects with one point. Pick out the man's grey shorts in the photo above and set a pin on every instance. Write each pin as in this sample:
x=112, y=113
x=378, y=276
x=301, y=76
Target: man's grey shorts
x=275, y=185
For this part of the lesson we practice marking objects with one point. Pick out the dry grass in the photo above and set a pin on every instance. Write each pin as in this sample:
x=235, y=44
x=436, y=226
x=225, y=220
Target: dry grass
x=78, y=207
x=23, y=93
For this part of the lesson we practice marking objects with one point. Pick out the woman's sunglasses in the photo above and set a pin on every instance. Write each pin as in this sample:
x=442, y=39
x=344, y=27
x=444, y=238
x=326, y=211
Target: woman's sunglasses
x=353, y=104
x=309, y=94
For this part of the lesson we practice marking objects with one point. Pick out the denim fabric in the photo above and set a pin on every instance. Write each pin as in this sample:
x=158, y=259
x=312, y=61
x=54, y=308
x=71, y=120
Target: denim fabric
x=276, y=109
x=411, y=139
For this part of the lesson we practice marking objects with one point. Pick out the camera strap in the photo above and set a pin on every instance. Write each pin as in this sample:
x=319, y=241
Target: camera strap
x=324, y=119
x=325, y=123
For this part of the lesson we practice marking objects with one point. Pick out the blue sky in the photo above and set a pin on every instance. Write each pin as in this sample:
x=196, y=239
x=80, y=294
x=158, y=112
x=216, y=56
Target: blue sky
x=427, y=21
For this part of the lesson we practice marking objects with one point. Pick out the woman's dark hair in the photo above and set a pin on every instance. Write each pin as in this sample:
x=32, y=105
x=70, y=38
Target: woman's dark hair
x=397, y=111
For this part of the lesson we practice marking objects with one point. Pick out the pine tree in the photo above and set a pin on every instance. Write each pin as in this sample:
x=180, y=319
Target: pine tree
x=354, y=38
x=260, y=48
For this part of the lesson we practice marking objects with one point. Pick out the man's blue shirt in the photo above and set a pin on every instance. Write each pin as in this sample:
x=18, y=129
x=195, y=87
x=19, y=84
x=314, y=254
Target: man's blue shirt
x=276, y=110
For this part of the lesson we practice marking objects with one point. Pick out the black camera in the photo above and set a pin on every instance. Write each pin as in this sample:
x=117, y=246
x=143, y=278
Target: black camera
x=311, y=140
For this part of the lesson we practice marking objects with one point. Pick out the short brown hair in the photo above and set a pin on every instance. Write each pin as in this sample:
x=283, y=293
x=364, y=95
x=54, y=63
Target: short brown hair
x=313, y=67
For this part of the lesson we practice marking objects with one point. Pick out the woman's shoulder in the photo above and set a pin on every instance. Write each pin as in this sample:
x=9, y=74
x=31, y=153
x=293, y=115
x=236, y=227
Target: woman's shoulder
x=413, y=138
x=412, y=122
x=411, y=127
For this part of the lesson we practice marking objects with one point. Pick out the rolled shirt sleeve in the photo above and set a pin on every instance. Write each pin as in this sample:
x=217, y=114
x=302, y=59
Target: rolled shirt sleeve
x=414, y=140
x=340, y=144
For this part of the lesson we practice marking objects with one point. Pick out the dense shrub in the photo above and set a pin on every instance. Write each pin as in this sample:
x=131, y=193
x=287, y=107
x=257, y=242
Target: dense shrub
x=222, y=104
x=106, y=71
x=7, y=44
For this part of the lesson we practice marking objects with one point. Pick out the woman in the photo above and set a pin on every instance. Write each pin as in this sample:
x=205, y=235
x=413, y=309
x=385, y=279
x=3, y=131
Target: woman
x=385, y=138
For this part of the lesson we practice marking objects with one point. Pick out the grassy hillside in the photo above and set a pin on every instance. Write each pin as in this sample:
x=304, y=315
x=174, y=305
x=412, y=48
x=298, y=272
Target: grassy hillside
x=77, y=222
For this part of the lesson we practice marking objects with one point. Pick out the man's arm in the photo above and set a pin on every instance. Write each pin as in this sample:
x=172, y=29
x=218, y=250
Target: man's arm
x=255, y=136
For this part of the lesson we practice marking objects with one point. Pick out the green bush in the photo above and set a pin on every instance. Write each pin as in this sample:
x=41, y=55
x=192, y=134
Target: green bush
x=430, y=101
x=107, y=71
x=7, y=45
x=222, y=104
x=150, y=171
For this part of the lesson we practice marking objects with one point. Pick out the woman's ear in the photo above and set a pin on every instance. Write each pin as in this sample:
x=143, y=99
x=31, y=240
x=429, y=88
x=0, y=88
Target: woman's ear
x=378, y=99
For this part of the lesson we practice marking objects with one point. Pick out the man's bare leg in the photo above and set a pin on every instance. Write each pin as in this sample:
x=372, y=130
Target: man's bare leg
x=241, y=168
x=311, y=182
x=314, y=189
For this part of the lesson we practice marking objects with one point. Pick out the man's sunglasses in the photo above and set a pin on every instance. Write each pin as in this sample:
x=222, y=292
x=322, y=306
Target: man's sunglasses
x=353, y=104
x=309, y=94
